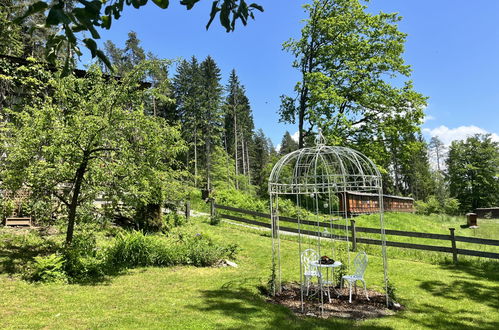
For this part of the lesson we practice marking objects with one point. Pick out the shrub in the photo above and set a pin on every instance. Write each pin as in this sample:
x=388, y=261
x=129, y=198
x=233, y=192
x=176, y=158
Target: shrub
x=173, y=219
x=6, y=207
x=132, y=249
x=240, y=199
x=244, y=200
x=82, y=261
x=47, y=269
x=391, y=291
x=215, y=220
x=136, y=249
x=451, y=206
x=202, y=251
x=434, y=206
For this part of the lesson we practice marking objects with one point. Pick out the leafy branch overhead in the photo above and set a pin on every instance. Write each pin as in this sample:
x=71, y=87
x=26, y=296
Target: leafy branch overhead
x=86, y=16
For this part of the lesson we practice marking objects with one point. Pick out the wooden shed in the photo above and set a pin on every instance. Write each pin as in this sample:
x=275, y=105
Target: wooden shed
x=365, y=203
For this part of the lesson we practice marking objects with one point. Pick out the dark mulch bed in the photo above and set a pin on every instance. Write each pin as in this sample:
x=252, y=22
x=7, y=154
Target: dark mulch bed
x=359, y=309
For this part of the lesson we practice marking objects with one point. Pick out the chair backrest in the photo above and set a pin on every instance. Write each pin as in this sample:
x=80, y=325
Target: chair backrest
x=360, y=263
x=307, y=257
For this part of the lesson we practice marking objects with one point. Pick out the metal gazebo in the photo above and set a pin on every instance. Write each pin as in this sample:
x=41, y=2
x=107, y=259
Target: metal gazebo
x=317, y=180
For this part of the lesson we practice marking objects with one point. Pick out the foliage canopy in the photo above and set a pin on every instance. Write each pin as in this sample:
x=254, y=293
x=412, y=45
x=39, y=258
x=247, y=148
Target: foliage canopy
x=74, y=17
x=91, y=137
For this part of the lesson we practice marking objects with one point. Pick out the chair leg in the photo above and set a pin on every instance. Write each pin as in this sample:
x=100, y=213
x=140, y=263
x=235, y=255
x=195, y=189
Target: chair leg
x=307, y=283
x=365, y=289
x=341, y=283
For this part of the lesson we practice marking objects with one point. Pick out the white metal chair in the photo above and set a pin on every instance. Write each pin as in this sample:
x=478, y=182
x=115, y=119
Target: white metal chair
x=309, y=271
x=360, y=264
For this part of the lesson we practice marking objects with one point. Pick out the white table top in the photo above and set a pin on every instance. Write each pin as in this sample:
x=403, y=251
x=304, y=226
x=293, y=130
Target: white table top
x=318, y=264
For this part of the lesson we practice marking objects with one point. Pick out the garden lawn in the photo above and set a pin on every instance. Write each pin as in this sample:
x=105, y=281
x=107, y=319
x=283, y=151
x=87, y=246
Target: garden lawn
x=435, y=296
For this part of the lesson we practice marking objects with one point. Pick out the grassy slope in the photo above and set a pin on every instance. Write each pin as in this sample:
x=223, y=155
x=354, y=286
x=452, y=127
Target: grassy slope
x=195, y=298
x=436, y=224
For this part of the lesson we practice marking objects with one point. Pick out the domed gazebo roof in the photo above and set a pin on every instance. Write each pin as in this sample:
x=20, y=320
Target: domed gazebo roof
x=324, y=169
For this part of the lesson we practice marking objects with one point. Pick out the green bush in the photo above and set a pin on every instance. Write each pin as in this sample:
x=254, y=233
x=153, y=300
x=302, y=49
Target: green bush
x=6, y=208
x=215, y=220
x=392, y=291
x=173, y=219
x=47, y=269
x=202, y=251
x=136, y=249
x=451, y=206
x=133, y=249
x=241, y=199
x=244, y=200
x=448, y=206
x=82, y=261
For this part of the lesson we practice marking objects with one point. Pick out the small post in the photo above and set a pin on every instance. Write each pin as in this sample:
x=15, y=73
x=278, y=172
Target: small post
x=212, y=207
x=453, y=241
x=187, y=210
x=354, y=235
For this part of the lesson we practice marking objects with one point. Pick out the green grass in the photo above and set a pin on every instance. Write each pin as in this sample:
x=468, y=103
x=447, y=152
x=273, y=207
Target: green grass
x=436, y=224
x=435, y=296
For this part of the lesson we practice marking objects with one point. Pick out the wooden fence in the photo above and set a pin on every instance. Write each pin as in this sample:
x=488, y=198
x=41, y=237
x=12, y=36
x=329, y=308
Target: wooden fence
x=353, y=229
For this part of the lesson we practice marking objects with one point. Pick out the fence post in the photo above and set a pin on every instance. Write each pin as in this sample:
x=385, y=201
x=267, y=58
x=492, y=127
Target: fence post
x=212, y=207
x=354, y=235
x=453, y=241
x=187, y=210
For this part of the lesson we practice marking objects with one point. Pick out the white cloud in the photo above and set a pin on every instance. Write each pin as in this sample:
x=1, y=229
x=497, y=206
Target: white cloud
x=296, y=136
x=278, y=147
x=447, y=135
x=428, y=118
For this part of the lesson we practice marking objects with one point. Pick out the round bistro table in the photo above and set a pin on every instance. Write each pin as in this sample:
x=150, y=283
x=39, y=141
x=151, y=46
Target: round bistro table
x=329, y=279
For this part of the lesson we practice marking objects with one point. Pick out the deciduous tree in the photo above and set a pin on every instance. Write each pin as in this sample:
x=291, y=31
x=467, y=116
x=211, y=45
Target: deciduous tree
x=92, y=137
x=348, y=59
x=473, y=172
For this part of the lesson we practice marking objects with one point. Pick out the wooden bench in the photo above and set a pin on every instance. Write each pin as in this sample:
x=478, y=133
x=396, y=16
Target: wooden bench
x=18, y=221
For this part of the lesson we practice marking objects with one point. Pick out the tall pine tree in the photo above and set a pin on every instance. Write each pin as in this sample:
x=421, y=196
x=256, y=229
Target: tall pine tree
x=287, y=144
x=187, y=92
x=211, y=113
x=239, y=126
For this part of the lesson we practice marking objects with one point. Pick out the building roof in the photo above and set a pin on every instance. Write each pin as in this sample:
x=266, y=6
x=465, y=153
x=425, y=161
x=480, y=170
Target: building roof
x=375, y=195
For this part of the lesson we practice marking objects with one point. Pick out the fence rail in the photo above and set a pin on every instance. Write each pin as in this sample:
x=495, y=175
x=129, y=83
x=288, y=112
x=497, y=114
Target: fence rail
x=353, y=229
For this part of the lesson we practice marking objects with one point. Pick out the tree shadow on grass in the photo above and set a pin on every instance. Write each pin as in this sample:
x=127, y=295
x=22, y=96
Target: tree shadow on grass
x=464, y=289
x=249, y=308
x=464, y=284
x=483, y=269
x=438, y=317
x=14, y=257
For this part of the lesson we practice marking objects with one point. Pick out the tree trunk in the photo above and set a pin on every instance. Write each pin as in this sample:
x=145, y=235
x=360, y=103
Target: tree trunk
x=227, y=158
x=74, y=199
x=248, y=165
x=208, y=154
x=301, y=118
x=235, y=147
x=244, y=155
x=195, y=156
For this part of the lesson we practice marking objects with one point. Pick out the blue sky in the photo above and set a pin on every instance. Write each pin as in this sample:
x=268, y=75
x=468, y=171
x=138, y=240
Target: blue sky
x=452, y=46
